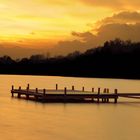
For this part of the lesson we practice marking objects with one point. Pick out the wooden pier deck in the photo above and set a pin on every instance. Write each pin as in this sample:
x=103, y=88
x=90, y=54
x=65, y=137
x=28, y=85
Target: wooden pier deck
x=65, y=95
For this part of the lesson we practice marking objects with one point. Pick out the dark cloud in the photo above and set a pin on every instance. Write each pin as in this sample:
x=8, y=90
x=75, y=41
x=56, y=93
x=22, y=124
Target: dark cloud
x=86, y=36
x=121, y=18
x=124, y=25
x=82, y=43
x=122, y=31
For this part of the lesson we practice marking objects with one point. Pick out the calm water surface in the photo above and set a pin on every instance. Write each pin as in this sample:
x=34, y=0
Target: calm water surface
x=28, y=120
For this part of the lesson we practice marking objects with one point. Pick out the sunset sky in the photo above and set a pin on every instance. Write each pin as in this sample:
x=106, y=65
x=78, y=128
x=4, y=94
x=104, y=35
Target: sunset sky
x=78, y=23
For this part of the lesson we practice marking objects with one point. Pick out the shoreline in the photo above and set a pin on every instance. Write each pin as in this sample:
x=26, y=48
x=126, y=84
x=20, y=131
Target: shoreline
x=69, y=76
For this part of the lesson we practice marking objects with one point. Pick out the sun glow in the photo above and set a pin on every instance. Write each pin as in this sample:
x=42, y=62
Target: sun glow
x=45, y=20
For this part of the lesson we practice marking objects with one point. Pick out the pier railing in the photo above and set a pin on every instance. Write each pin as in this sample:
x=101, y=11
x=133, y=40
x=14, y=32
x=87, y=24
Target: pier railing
x=71, y=95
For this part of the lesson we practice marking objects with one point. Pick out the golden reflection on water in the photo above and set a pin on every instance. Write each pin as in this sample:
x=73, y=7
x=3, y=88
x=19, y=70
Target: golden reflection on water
x=28, y=120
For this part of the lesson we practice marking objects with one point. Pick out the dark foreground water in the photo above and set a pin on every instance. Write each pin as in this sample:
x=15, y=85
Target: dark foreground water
x=28, y=120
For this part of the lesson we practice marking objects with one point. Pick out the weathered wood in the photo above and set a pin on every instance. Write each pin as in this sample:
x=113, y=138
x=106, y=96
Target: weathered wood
x=65, y=90
x=19, y=87
x=44, y=92
x=67, y=95
x=83, y=89
x=116, y=92
x=56, y=86
x=107, y=90
x=36, y=90
x=98, y=99
x=72, y=87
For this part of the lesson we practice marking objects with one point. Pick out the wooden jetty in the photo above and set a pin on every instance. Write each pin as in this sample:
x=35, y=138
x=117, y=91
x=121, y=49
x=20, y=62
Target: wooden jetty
x=72, y=95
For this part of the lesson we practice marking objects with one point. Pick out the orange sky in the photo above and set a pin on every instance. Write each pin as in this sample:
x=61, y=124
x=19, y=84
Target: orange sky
x=34, y=23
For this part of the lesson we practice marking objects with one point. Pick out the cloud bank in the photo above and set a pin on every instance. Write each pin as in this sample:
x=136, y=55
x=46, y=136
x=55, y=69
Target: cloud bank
x=124, y=25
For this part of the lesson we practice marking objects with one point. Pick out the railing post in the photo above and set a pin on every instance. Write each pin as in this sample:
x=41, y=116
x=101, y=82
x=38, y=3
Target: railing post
x=18, y=95
x=56, y=86
x=116, y=97
x=44, y=92
x=105, y=90
x=65, y=90
x=12, y=91
x=19, y=87
x=83, y=89
x=98, y=98
x=12, y=87
x=92, y=89
x=28, y=86
x=72, y=87
x=36, y=90
x=99, y=90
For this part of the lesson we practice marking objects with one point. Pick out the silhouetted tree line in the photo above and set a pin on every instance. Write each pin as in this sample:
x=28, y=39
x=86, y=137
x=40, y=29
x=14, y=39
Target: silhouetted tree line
x=115, y=59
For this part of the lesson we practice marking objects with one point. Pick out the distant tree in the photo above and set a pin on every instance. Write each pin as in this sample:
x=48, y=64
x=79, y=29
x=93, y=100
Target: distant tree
x=37, y=58
x=6, y=60
x=74, y=54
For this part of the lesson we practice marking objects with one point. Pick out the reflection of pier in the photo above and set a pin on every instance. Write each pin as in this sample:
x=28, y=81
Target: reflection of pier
x=72, y=95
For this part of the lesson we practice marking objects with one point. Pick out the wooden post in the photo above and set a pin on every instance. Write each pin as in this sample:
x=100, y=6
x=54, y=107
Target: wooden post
x=44, y=92
x=12, y=91
x=65, y=90
x=18, y=95
x=43, y=97
x=107, y=100
x=12, y=87
x=27, y=89
x=116, y=92
x=72, y=87
x=105, y=90
x=83, y=89
x=27, y=96
x=28, y=86
x=19, y=87
x=99, y=90
x=98, y=100
x=102, y=100
x=92, y=97
x=36, y=90
x=36, y=97
x=56, y=86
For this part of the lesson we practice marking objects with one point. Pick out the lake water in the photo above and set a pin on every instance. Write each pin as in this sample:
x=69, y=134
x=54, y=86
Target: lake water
x=28, y=120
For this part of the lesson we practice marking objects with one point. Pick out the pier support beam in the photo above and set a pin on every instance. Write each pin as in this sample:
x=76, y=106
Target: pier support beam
x=27, y=96
x=83, y=89
x=107, y=100
x=56, y=87
x=28, y=86
x=107, y=90
x=44, y=92
x=65, y=90
x=19, y=88
x=36, y=90
x=116, y=97
x=19, y=95
x=98, y=99
x=12, y=91
x=73, y=88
